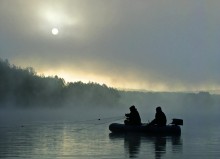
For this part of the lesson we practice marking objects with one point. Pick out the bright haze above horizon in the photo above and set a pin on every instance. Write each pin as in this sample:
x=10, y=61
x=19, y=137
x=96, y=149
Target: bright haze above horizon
x=152, y=45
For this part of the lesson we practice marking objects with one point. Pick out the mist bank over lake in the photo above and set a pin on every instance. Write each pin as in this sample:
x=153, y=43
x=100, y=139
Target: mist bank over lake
x=24, y=88
x=22, y=91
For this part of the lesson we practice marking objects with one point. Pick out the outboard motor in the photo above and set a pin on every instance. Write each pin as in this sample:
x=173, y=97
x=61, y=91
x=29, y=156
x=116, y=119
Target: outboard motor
x=177, y=122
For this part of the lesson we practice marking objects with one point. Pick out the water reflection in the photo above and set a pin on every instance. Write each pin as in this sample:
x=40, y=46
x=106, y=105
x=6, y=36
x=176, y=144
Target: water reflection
x=66, y=141
x=160, y=146
x=134, y=142
x=31, y=140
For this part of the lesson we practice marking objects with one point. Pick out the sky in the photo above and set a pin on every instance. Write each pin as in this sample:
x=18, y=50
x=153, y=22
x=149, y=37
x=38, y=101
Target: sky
x=155, y=45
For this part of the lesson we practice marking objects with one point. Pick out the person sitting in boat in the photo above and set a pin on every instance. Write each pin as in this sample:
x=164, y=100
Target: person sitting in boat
x=133, y=118
x=160, y=118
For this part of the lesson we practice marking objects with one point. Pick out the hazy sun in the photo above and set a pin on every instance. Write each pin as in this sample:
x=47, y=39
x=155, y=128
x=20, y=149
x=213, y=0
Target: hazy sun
x=55, y=31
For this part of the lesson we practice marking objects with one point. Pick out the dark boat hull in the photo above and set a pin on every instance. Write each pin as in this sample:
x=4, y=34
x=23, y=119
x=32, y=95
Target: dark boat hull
x=151, y=130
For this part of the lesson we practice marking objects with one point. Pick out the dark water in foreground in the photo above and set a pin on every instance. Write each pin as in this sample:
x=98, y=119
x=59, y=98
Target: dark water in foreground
x=93, y=140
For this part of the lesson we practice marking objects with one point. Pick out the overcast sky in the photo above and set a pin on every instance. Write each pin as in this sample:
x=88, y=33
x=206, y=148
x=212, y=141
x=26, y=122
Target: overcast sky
x=159, y=45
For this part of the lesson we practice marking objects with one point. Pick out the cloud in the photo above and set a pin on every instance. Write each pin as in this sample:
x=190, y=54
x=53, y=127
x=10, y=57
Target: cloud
x=171, y=45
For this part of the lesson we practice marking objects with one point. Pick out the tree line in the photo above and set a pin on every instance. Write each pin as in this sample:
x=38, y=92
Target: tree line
x=22, y=87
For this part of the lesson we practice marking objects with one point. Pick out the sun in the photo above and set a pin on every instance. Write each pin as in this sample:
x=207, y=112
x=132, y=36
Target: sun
x=55, y=31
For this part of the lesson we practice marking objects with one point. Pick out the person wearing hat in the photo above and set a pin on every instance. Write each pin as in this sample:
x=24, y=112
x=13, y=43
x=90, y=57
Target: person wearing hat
x=160, y=118
x=132, y=118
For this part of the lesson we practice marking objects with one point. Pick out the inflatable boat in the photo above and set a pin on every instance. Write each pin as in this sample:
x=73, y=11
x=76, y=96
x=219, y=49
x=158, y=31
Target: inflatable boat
x=172, y=129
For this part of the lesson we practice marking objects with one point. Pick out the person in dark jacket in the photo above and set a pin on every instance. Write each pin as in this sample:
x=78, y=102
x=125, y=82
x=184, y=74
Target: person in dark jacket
x=133, y=118
x=160, y=118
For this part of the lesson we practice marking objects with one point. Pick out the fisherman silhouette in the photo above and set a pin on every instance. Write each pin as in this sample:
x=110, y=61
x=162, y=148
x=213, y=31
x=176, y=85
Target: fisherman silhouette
x=133, y=118
x=160, y=118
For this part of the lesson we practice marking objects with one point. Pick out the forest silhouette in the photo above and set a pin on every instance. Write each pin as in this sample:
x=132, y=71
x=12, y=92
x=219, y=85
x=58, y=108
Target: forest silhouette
x=22, y=87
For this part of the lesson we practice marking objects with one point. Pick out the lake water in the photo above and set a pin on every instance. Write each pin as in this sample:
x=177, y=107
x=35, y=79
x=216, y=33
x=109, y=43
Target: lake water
x=93, y=140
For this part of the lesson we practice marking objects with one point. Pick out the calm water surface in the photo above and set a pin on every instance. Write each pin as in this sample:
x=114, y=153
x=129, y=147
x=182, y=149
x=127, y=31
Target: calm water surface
x=92, y=140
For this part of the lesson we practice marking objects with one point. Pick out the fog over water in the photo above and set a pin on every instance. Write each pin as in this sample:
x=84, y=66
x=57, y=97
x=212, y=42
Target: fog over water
x=45, y=117
x=25, y=97
x=82, y=131
x=189, y=112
